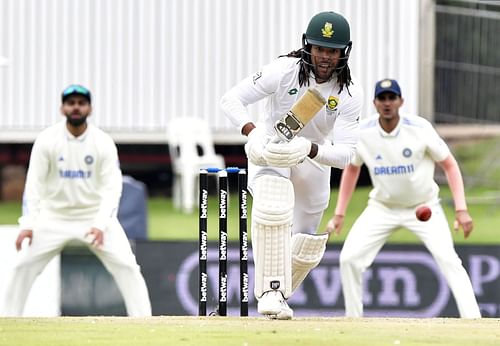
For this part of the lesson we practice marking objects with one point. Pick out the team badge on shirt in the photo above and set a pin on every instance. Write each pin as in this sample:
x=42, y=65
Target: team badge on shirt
x=89, y=159
x=407, y=152
x=331, y=106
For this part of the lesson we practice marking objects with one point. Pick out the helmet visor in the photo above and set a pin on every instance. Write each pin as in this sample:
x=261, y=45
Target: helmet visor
x=322, y=43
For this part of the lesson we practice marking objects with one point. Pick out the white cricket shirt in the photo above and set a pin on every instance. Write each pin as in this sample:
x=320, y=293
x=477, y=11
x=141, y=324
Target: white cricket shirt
x=279, y=81
x=401, y=163
x=72, y=178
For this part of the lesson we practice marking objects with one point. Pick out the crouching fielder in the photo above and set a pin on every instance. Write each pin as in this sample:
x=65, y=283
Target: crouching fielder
x=400, y=152
x=290, y=181
x=72, y=192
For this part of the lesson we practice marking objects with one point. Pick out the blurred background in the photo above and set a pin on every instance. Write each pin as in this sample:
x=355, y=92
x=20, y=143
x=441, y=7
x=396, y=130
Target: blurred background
x=149, y=62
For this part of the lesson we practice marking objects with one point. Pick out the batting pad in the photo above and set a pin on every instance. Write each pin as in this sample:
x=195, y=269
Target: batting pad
x=307, y=252
x=272, y=215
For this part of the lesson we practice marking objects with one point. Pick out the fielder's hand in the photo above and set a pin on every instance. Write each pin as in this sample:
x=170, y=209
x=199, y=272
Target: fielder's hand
x=335, y=225
x=23, y=235
x=254, y=147
x=463, y=220
x=287, y=154
x=97, y=237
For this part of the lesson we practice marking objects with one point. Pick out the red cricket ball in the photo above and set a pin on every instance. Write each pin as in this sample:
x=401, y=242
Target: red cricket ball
x=423, y=213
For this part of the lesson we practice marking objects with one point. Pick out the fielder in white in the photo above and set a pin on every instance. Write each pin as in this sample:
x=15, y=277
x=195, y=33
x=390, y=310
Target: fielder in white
x=290, y=182
x=72, y=193
x=400, y=152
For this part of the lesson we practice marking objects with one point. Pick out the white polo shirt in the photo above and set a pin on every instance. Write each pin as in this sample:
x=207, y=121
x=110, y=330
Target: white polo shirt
x=337, y=122
x=72, y=178
x=401, y=163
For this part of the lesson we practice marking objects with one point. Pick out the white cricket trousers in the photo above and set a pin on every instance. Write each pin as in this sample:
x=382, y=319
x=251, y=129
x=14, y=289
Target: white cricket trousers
x=51, y=237
x=311, y=185
x=370, y=232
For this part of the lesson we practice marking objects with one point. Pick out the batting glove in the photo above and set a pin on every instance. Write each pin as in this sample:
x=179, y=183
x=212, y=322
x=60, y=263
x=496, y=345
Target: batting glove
x=287, y=154
x=254, y=147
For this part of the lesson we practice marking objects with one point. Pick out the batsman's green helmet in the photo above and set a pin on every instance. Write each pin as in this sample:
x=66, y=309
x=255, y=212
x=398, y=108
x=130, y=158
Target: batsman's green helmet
x=328, y=29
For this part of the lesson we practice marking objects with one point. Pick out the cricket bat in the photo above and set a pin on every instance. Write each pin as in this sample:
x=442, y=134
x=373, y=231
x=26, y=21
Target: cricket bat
x=303, y=110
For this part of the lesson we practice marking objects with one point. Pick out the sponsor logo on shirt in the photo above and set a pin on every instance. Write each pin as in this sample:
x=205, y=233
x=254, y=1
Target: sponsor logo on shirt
x=394, y=170
x=74, y=174
x=292, y=91
x=256, y=77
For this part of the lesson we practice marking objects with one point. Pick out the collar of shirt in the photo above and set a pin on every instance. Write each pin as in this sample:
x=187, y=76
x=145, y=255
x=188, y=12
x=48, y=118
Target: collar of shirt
x=393, y=133
x=71, y=137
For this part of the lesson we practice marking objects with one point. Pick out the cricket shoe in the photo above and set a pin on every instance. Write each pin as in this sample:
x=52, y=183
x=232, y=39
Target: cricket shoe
x=270, y=303
x=286, y=312
x=273, y=305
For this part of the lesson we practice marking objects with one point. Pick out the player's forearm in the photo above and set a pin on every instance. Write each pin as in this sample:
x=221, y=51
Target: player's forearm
x=348, y=182
x=455, y=182
x=36, y=180
x=344, y=139
x=108, y=207
x=338, y=155
x=235, y=110
x=31, y=201
x=110, y=190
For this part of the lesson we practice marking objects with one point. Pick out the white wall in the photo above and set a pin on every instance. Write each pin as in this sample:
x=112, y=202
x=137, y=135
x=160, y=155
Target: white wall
x=147, y=61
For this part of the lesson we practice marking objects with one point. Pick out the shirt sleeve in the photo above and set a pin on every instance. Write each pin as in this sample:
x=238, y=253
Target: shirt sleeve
x=250, y=90
x=436, y=146
x=344, y=135
x=110, y=186
x=39, y=166
x=357, y=160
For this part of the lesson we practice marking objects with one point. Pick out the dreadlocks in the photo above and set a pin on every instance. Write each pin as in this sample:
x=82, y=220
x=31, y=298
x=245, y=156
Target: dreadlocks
x=343, y=76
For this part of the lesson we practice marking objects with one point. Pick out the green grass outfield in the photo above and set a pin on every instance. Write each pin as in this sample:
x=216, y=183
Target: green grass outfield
x=479, y=161
x=217, y=331
x=165, y=223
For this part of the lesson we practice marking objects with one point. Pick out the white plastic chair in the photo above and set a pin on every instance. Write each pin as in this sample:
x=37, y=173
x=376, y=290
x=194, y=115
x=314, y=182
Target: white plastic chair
x=191, y=148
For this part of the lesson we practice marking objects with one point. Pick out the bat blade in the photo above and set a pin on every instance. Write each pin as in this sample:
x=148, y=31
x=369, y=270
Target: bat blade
x=301, y=113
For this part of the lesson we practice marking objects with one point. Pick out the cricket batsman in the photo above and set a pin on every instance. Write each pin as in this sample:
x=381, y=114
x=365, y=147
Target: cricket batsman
x=291, y=152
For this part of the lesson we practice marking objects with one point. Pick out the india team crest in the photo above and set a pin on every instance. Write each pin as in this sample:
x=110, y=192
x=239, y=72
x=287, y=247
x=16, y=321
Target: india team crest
x=327, y=30
x=386, y=83
x=89, y=159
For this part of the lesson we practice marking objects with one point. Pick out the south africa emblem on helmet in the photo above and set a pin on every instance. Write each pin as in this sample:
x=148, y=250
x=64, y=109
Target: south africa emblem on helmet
x=327, y=30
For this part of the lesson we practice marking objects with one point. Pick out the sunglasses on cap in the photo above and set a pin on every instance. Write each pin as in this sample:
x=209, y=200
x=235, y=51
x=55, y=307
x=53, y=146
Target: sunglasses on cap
x=76, y=89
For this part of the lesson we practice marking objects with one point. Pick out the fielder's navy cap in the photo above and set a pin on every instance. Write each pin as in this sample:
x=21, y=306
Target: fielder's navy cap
x=76, y=89
x=387, y=85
